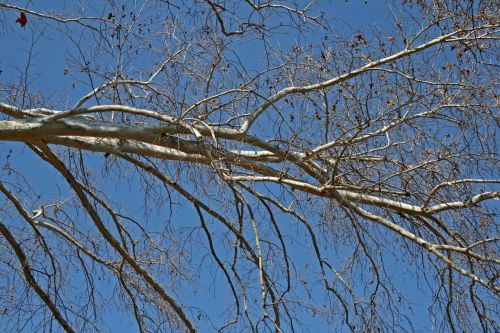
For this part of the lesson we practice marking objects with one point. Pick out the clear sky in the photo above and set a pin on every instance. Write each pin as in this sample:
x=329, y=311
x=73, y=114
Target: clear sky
x=42, y=52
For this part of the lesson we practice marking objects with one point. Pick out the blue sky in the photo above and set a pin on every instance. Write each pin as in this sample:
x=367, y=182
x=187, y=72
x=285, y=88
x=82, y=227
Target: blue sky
x=46, y=73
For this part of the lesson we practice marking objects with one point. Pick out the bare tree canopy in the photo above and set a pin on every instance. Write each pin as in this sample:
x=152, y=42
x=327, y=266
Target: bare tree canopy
x=249, y=166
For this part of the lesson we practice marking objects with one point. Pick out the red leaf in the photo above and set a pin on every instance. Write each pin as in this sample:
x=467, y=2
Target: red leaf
x=22, y=20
